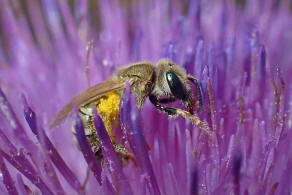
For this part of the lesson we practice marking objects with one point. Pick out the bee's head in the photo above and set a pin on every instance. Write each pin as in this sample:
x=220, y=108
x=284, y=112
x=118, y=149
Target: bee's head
x=173, y=81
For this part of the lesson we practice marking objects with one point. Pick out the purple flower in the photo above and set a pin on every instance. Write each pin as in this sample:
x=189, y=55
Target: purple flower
x=240, y=52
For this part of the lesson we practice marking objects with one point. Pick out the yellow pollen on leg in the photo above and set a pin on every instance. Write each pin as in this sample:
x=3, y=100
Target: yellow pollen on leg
x=108, y=109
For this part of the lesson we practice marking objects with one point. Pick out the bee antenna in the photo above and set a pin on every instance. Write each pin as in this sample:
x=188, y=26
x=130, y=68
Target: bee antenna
x=87, y=75
x=198, y=88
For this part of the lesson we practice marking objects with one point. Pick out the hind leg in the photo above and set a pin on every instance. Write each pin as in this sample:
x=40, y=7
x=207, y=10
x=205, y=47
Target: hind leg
x=124, y=155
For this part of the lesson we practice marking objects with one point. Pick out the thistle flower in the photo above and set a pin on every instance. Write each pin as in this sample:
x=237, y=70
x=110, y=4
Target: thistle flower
x=238, y=50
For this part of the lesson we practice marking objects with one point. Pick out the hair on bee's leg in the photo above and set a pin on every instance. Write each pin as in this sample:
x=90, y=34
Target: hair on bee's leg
x=195, y=120
x=168, y=110
x=198, y=88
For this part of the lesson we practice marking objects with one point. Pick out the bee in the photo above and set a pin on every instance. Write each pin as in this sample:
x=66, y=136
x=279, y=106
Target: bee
x=162, y=84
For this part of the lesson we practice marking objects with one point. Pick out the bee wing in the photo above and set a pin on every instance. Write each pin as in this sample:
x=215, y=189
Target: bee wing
x=88, y=96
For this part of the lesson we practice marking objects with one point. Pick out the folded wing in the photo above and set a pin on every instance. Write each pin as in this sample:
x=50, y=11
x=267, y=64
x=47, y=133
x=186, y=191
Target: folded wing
x=86, y=97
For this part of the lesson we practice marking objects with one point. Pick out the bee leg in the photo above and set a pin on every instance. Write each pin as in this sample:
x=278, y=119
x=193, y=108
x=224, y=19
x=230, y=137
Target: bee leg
x=198, y=88
x=124, y=155
x=98, y=154
x=168, y=110
x=166, y=100
x=171, y=99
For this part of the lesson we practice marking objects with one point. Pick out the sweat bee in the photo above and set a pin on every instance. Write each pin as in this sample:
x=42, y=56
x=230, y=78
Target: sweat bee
x=164, y=83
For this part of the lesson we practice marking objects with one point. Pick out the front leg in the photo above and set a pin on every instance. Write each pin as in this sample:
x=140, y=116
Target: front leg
x=166, y=100
x=187, y=115
x=168, y=110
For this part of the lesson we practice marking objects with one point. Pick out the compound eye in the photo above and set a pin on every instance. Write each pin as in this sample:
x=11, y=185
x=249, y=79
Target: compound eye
x=176, y=87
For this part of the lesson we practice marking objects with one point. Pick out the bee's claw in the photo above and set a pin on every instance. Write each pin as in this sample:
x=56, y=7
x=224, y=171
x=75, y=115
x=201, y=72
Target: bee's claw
x=129, y=156
x=124, y=155
x=147, y=144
